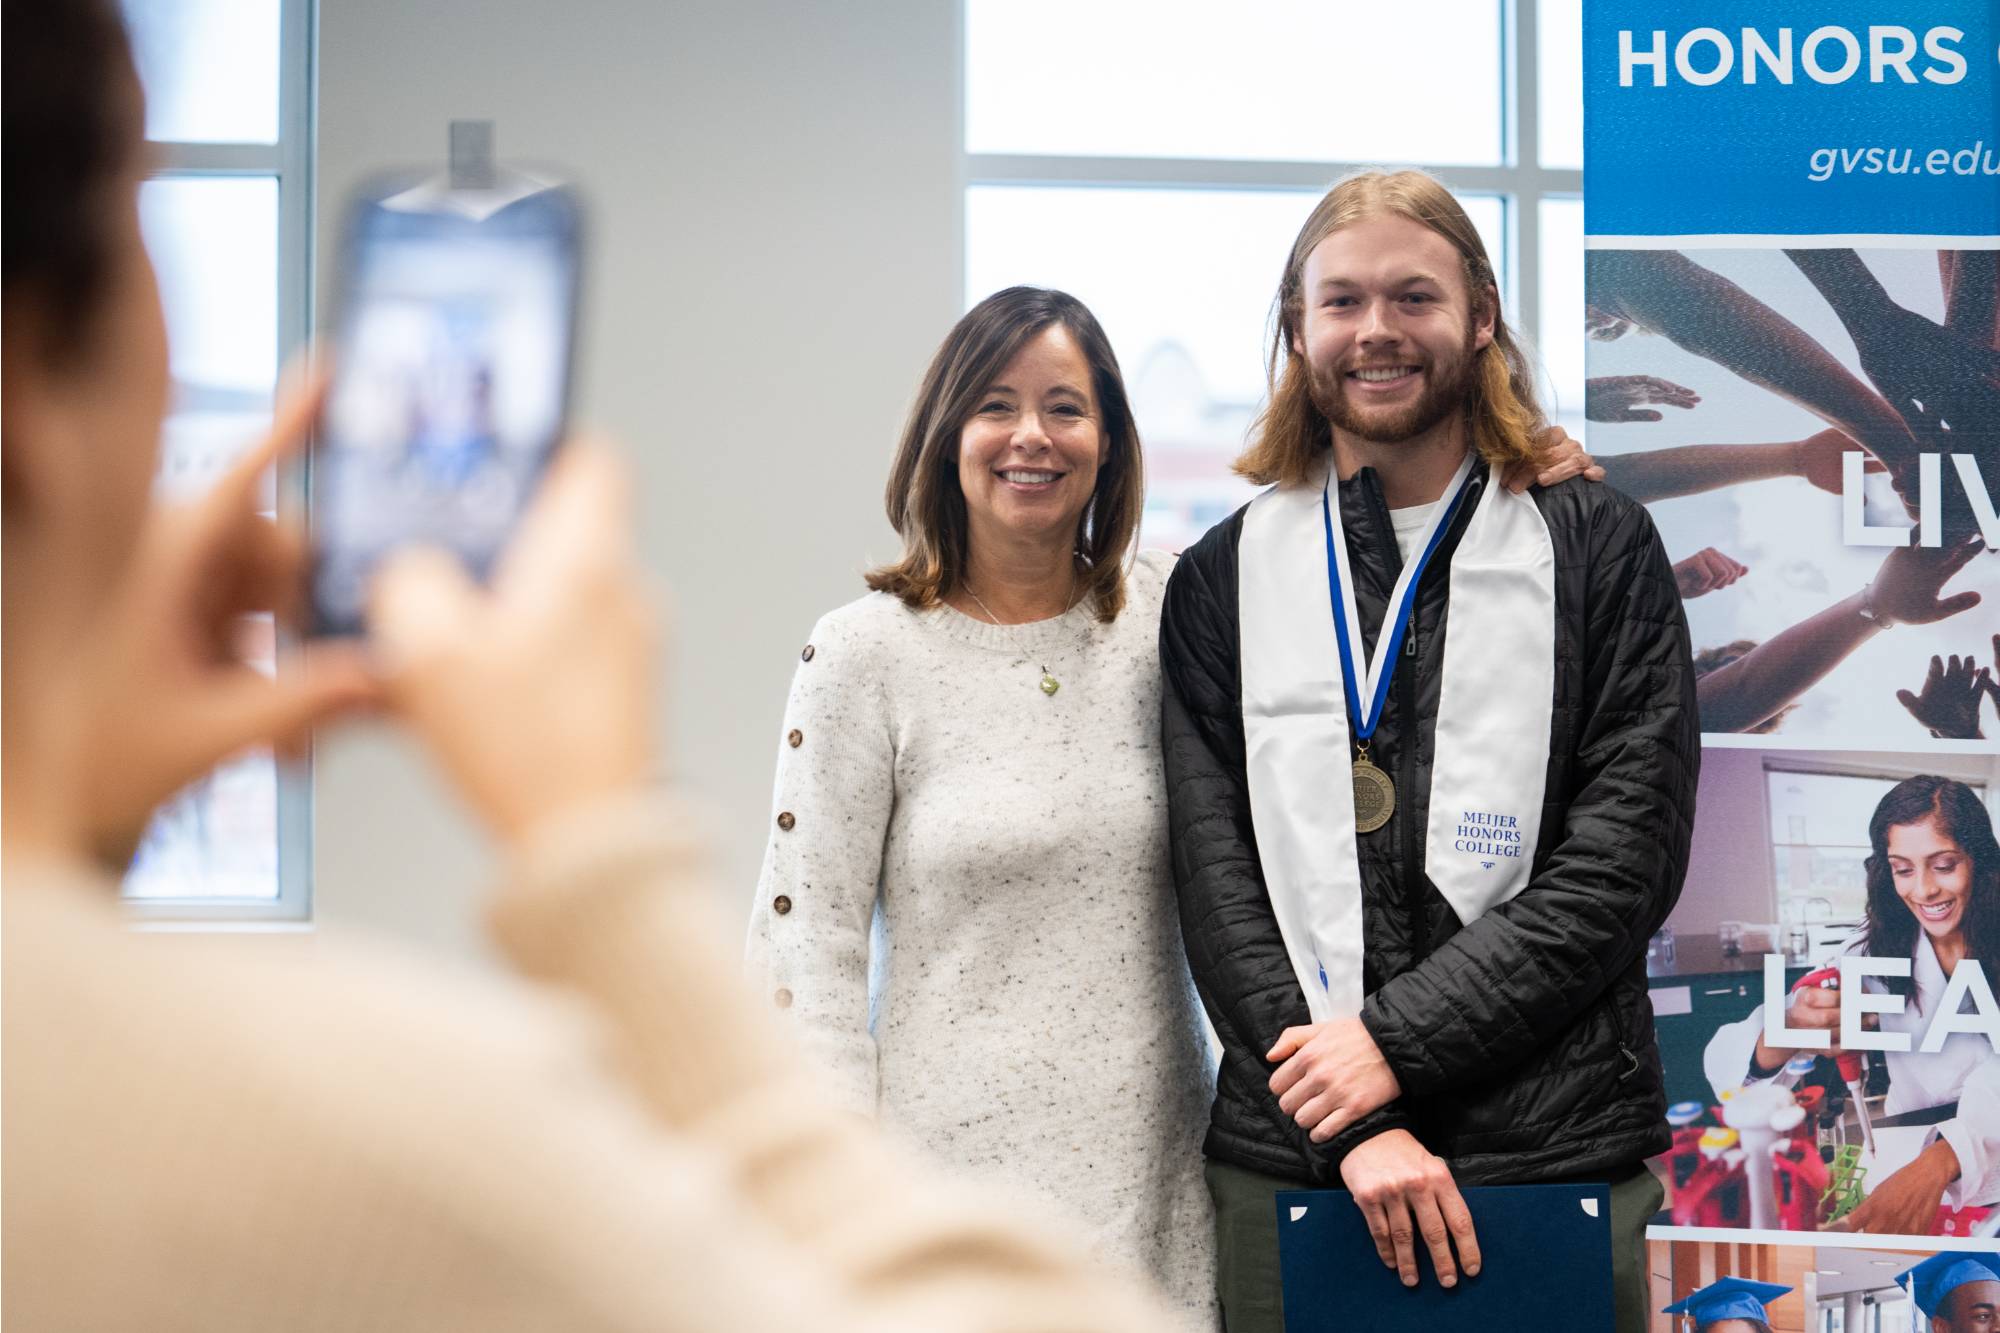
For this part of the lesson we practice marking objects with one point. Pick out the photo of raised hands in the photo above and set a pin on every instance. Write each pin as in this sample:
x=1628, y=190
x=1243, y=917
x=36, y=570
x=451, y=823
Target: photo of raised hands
x=1861, y=393
x=1949, y=701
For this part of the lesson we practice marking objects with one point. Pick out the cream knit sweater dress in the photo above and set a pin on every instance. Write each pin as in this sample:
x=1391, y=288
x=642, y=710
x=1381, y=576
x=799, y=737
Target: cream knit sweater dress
x=1021, y=1006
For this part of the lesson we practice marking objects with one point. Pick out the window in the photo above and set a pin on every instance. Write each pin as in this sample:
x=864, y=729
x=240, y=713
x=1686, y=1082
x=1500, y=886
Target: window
x=226, y=214
x=1156, y=160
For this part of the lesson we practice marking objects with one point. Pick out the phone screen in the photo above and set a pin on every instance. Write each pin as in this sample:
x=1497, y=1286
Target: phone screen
x=451, y=383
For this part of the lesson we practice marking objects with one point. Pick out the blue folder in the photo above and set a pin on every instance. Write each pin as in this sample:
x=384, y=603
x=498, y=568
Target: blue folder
x=1545, y=1266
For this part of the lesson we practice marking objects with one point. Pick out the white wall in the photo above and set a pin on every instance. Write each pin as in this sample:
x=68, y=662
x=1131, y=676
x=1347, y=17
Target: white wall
x=775, y=205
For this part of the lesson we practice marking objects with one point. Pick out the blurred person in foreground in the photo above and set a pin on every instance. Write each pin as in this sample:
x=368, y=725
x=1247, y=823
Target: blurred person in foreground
x=1431, y=747
x=258, y=1133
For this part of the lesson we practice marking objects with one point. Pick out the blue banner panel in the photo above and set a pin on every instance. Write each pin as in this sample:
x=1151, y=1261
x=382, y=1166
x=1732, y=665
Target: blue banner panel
x=1837, y=117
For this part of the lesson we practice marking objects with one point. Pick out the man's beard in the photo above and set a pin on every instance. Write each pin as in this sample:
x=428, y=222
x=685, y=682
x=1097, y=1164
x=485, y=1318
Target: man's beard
x=1447, y=389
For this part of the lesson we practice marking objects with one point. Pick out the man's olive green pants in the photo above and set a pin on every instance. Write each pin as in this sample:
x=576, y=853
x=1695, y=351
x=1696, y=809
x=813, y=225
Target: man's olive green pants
x=1246, y=1248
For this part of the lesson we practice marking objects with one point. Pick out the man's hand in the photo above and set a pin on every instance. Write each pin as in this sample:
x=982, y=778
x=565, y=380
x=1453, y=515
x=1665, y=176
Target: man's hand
x=1406, y=1191
x=1948, y=704
x=1330, y=1075
x=1616, y=398
x=1906, y=1204
x=1707, y=570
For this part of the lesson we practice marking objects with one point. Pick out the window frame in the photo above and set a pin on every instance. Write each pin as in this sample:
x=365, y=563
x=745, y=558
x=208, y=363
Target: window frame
x=290, y=162
x=1521, y=182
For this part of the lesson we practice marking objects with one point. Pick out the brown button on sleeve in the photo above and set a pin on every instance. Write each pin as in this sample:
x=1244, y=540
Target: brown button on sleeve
x=807, y=655
x=783, y=998
x=795, y=738
x=785, y=820
x=781, y=905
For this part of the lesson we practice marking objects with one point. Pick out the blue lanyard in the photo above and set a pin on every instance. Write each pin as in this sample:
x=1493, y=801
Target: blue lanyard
x=1389, y=646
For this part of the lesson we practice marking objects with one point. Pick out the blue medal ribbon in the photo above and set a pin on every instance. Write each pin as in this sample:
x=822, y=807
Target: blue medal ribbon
x=1374, y=689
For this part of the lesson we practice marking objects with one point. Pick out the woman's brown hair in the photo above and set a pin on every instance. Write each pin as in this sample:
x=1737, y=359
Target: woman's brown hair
x=923, y=497
x=73, y=115
x=1291, y=434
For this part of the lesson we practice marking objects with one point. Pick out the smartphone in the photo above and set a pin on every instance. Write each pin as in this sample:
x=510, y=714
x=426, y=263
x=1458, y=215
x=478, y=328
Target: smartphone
x=453, y=351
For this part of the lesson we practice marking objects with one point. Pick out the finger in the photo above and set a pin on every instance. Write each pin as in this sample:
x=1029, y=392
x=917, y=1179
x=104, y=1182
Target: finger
x=244, y=708
x=1595, y=472
x=262, y=569
x=1378, y=1231
x=1287, y=1081
x=1312, y=1112
x=1909, y=701
x=1935, y=674
x=1403, y=1237
x=298, y=404
x=1951, y=606
x=343, y=677
x=1335, y=1120
x=1288, y=1041
x=1518, y=474
x=1458, y=1218
x=1437, y=1239
x=1641, y=414
x=419, y=601
x=1961, y=555
x=581, y=516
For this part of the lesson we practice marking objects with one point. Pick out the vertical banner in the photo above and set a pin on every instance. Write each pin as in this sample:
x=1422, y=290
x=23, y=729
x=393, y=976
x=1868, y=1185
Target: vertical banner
x=1793, y=268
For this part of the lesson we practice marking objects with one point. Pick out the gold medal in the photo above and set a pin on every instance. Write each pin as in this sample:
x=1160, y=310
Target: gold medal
x=1374, y=794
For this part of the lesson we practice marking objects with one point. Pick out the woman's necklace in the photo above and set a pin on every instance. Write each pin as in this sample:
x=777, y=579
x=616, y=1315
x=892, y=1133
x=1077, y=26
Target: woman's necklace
x=1049, y=683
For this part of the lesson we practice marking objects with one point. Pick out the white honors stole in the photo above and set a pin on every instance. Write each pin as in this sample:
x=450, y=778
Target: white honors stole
x=1492, y=728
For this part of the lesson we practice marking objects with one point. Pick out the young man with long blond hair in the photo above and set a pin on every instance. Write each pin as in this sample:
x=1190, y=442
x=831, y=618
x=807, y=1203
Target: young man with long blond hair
x=1431, y=747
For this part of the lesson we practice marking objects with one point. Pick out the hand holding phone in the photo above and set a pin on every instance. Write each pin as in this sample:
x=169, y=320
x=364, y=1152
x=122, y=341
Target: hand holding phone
x=536, y=693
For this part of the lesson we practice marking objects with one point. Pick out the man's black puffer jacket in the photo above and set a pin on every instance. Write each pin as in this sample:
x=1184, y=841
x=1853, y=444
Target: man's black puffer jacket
x=1523, y=1042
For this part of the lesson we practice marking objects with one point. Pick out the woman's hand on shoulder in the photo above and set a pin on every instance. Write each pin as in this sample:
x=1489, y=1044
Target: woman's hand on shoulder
x=1557, y=458
x=536, y=693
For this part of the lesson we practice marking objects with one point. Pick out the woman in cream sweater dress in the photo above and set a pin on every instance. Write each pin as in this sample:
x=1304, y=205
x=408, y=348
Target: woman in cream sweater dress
x=966, y=905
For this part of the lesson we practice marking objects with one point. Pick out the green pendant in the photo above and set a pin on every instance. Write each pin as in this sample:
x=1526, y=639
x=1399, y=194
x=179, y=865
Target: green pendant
x=1049, y=684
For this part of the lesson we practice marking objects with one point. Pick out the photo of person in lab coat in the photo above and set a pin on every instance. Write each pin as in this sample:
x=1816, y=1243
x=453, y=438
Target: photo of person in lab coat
x=1933, y=874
